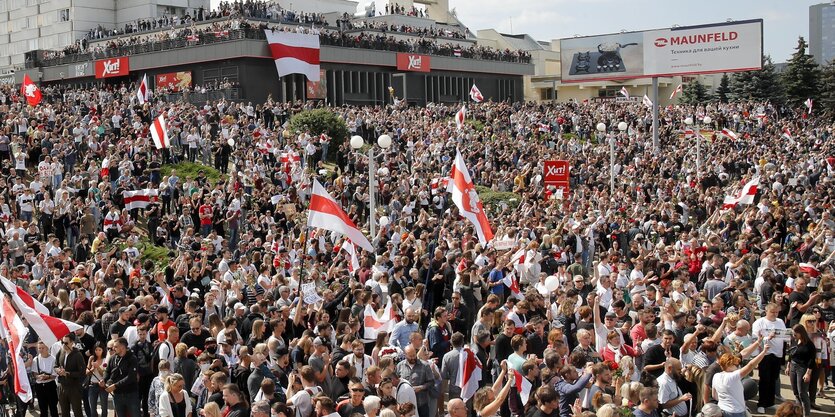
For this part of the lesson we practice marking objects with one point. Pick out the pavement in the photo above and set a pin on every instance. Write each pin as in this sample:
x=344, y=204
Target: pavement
x=827, y=404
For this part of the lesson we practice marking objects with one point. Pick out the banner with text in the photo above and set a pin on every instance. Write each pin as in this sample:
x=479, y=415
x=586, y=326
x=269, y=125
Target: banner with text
x=173, y=81
x=557, y=173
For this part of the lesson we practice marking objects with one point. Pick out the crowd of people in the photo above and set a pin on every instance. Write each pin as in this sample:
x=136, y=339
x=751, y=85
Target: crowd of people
x=649, y=298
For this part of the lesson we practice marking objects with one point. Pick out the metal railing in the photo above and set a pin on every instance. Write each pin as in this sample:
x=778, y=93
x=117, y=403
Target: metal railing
x=197, y=98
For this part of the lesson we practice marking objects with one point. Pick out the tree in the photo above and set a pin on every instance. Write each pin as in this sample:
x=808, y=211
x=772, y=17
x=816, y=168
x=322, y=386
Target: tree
x=762, y=85
x=694, y=92
x=724, y=89
x=322, y=121
x=802, y=75
x=826, y=100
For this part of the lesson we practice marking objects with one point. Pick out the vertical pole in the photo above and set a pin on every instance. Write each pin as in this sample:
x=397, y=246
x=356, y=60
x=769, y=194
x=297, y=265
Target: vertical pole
x=655, y=141
x=698, y=152
x=372, y=217
x=611, y=166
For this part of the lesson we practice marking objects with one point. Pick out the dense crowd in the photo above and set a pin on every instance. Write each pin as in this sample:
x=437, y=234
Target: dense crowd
x=647, y=299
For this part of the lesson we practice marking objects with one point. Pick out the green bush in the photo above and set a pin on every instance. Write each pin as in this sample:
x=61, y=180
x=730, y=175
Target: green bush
x=322, y=121
x=478, y=125
x=491, y=199
x=189, y=170
x=150, y=252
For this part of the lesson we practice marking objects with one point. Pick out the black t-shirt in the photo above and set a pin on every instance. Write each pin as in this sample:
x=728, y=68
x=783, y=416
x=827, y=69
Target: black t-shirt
x=799, y=298
x=539, y=413
x=192, y=340
x=503, y=348
x=118, y=328
x=656, y=355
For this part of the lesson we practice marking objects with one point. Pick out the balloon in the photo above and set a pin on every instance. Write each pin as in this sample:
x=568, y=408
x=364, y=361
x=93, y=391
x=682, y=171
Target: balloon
x=552, y=283
x=231, y=142
x=537, y=178
x=384, y=221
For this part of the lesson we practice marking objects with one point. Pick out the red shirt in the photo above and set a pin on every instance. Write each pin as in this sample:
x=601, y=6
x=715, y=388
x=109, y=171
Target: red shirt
x=162, y=329
x=204, y=210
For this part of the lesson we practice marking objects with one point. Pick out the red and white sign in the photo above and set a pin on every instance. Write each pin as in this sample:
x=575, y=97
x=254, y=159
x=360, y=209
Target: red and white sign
x=413, y=62
x=557, y=173
x=112, y=67
x=295, y=53
x=174, y=81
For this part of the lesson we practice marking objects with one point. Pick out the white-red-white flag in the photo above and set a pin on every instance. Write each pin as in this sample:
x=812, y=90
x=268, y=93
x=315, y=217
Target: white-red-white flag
x=809, y=269
x=647, y=102
x=787, y=134
x=290, y=157
x=512, y=283
x=624, y=92
x=373, y=324
x=465, y=197
x=729, y=133
x=460, y=117
x=523, y=386
x=325, y=213
x=438, y=185
x=295, y=53
x=808, y=103
x=675, y=92
x=16, y=335
x=475, y=94
x=143, y=93
x=159, y=133
x=354, y=263
x=469, y=373
x=23, y=295
x=192, y=38
x=105, y=168
x=49, y=329
x=30, y=91
x=140, y=198
x=745, y=196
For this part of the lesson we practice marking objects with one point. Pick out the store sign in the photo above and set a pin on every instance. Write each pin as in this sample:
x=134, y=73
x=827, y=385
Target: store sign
x=413, y=62
x=113, y=67
x=174, y=81
x=7, y=80
x=557, y=173
x=80, y=70
x=702, y=49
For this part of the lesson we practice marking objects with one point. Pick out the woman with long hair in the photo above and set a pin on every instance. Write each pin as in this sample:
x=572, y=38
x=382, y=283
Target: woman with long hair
x=43, y=367
x=381, y=342
x=174, y=400
x=236, y=405
x=257, y=335
x=95, y=372
x=488, y=400
x=800, y=366
x=819, y=344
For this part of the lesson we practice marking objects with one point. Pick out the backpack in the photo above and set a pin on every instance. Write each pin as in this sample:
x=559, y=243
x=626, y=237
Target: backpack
x=155, y=357
x=144, y=358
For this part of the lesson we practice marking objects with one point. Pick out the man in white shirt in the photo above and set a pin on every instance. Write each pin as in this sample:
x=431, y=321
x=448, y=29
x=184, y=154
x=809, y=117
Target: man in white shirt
x=670, y=396
x=769, y=369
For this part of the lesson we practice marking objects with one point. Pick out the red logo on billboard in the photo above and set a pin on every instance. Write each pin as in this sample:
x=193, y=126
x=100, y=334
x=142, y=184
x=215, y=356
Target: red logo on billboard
x=175, y=81
x=661, y=42
x=413, y=62
x=113, y=67
x=557, y=174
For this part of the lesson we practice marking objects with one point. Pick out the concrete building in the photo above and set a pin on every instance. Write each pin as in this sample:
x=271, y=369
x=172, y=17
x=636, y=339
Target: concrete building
x=31, y=25
x=822, y=32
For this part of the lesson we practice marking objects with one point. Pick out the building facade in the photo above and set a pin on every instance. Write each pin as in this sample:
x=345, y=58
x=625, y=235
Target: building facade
x=822, y=32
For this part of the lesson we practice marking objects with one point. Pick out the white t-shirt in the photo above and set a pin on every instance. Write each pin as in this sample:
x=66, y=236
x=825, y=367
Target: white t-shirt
x=764, y=327
x=728, y=387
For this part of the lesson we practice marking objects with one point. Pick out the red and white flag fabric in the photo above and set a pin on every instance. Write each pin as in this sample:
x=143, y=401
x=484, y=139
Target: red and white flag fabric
x=105, y=168
x=354, y=263
x=16, y=335
x=31, y=91
x=745, y=195
x=809, y=269
x=729, y=133
x=290, y=157
x=439, y=185
x=543, y=127
x=460, y=117
x=159, y=133
x=192, y=38
x=675, y=92
x=808, y=103
x=143, y=94
x=523, y=386
x=647, y=102
x=465, y=197
x=325, y=213
x=49, y=329
x=469, y=373
x=787, y=134
x=475, y=94
x=221, y=33
x=373, y=324
x=295, y=53
x=23, y=295
x=624, y=92
x=512, y=283
x=140, y=198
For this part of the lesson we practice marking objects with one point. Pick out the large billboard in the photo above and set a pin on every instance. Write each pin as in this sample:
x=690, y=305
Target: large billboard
x=174, y=81
x=721, y=47
x=112, y=67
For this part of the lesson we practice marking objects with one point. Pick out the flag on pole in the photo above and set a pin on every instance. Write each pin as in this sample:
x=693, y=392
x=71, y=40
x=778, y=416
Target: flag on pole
x=354, y=263
x=460, y=116
x=49, y=329
x=512, y=284
x=465, y=197
x=744, y=196
x=624, y=92
x=808, y=104
x=295, y=53
x=373, y=324
x=729, y=133
x=438, y=185
x=475, y=94
x=16, y=333
x=105, y=168
x=31, y=91
x=469, y=373
x=523, y=386
x=325, y=213
x=159, y=133
x=647, y=102
x=675, y=92
x=809, y=269
x=140, y=198
x=143, y=94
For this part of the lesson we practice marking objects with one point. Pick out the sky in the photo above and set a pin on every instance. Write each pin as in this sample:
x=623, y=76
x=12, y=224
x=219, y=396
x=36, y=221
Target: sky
x=784, y=20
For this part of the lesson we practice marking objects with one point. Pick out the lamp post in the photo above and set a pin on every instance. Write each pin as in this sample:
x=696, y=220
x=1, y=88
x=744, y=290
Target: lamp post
x=384, y=142
x=601, y=127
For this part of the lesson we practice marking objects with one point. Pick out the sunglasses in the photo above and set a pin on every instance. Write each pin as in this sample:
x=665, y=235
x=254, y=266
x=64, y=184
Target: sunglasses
x=357, y=390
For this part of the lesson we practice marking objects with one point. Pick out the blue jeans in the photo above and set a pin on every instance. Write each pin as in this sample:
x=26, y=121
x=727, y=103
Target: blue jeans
x=800, y=388
x=96, y=396
x=727, y=414
x=126, y=404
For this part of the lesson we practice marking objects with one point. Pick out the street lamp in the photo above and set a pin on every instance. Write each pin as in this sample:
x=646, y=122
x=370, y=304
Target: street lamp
x=601, y=127
x=384, y=142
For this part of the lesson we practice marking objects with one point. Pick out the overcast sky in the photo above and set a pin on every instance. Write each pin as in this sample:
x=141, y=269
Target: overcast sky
x=784, y=20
